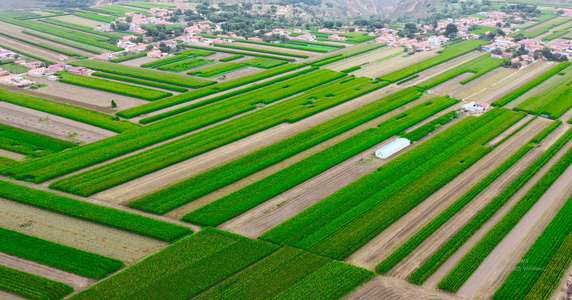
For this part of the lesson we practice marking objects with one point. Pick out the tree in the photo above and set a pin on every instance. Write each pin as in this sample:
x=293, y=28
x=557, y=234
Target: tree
x=492, y=35
x=164, y=48
x=451, y=30
x=149, y=47
x=499, y=24
x=500, y=32
x=506, y=63
x=516, y=65
x=519, y=37
x=129, y=19
x=506, y=25
x=497, y=50
x=113, y=104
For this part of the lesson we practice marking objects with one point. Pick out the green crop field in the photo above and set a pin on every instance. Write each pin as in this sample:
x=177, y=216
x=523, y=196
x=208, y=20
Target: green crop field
x=113, y=86
x=186, y=64
x=142, y=82
x=30, y=143
x=218, y=69
x=232, y=46
x=265, y=63
x=31, y=286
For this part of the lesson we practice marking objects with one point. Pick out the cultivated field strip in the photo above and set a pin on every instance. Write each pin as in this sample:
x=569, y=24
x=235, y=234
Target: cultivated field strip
x=31, y=286
x=388, y=288
x=383, y=246
x=326, y=229
x=219, y=177
x=453, y=244
x=291, y=110
x=241, y=201
x=160, y=131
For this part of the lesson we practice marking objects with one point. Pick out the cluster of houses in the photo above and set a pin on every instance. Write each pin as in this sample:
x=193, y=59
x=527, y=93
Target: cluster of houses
x=531, y=45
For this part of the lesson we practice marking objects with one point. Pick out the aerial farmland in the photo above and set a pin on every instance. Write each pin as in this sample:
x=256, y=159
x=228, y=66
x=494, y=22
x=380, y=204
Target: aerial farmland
x=155, y=150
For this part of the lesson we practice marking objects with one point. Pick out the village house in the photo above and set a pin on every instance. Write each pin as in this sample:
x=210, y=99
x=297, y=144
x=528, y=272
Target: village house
x=34, y=64
x=4, y=54
x=38, y=72
x=335, y=37
x=80, y=71
x=62, y=57
x=58, y=67
x=156, y=54
x=104, y=56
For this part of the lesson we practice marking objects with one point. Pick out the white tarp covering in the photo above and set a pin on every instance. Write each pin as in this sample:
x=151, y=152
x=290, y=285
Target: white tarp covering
x=392, y=148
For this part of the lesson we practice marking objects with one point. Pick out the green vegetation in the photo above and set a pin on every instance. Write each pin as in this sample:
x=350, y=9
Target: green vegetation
x=193, y=188
x=100, y=151
x=471, y=261
x=242, y=200
x=67, y=111
x=429, y=229
x=56, y=255
x=15, y=68
x=186, y=64
x=219, y=87
x=233, y=57
x=30, y=143
x=41, y=45
x=288, y=274
x=94, y=16
x=479, y=66
x=543, y=29
x=318, y=47
x=349, y=70
x=265, y=63
x=31, y=286
x=453, y=244
x=407, y=79
x=6, y=162
x=448, y=53
x=129, y=57
x=152, y=75
x=64, y=41
x=239, y=52
x=113, y=86
x=188, y=267
x=260, y=50
x=426, y=129
x=180, y=56
x=347, y=53
x=532, y=83
x=79, y=28
x=292, y=110
x=141, y=81
x=218, y=69
x=346, y=220
x=541, y=269
x=91, y=212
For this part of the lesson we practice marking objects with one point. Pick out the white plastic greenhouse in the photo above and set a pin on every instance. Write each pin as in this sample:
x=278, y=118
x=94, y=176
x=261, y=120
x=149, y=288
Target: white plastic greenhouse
x=392, y=148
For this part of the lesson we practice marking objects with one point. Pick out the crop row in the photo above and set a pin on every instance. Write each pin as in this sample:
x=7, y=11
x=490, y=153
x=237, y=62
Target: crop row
x=97, y=152
x=250, y=196
x=142, y=82
x=290, y=46
x=187, y=267
x=178, y=57
x=149, y=161
x=218, y=69
x=185, y=64
x=453, y=209
x=6, y=162
x=57, y=255
x=553, y=102
x=454, y=243
x=260, y=50
x=446, y=54
x=426, y=129
x=64, y=41
x=344, y=221
x=541, y=30
x=264, y=63
x=191, y=189
x=407, y=79
x=288, y=274
x=347, y=53
x=152, y=75
x=30, y=143
x=480, y=66
x=233, y=57
x=556, y=34
x=219, y=87
x=27, y=54
x=117, y=10
x=306, y=43
x=349, y=70
x=41, y=45
x=471, y=261
x=31, y=286
x=544, y=264
x=113, y=86
x=94, y=16
x=67, y=111
x=128, y=57
x=239, y=52
x=529, y=85
x=79, y=28
x=91, y=212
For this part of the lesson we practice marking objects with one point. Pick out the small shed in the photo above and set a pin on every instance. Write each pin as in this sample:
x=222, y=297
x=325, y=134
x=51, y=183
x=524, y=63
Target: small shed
x=392, y=148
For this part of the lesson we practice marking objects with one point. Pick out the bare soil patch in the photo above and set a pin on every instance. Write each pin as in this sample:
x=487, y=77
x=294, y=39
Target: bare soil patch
x=368, y=58
x=122, y=245
x=12, y=155
x=387, y=288
x=394, y=64
x=79, y=20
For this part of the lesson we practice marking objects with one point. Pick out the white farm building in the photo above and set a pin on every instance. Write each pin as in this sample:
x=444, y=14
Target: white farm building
x=392, y=148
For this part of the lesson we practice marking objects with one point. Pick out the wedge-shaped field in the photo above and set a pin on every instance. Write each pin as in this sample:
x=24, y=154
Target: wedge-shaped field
x=31, y=286
x=265, y=63
x=343, y=222
x=30, y=143
x=67, y=111
x=153, y=75
x=57, y=255
x=247, y=198
x=218, y=69
x=222, y=265
x=113, y=86
x=448, y=53
x=553, y=102
x=544, y=264
x=185, y=64
x=179, y=56
x=91, y=212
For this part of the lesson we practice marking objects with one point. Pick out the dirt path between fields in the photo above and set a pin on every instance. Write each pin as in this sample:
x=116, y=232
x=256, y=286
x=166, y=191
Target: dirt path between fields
x=368, y=58
x=564, y=288
x=73, y=280
x=385, y=67
x=8, y=296
x=387, y=288
x=12, y=155
x=471, y=211
x=502, y=260
x=165, y=177
x=59, y=127
x=277, y=210
x=398, y=233
x=310, y=54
